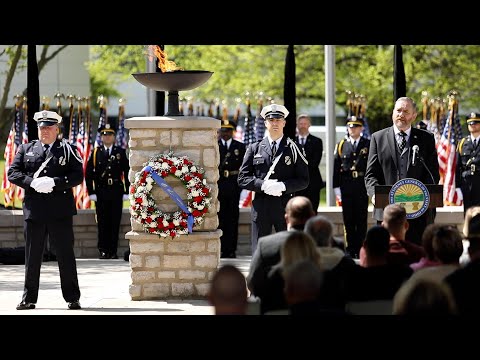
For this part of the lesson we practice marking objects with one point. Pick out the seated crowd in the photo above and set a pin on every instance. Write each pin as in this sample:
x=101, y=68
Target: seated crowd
x=304, y=270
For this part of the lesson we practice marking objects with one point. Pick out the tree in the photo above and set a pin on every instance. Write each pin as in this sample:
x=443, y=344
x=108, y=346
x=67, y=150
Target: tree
x=16, y=60
x=365, y=69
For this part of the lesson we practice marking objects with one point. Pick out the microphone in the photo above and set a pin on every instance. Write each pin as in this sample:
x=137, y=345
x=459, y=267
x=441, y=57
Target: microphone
x=415, y=149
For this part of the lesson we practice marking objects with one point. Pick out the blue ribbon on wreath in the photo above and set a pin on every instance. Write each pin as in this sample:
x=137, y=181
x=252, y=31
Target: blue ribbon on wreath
x=173, y=195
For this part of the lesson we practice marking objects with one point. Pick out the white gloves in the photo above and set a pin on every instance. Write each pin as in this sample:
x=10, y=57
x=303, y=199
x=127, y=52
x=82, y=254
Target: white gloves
x=43, y=184
x=125, y=197
x=93, y=197
x=373, y=199
x=273, y=187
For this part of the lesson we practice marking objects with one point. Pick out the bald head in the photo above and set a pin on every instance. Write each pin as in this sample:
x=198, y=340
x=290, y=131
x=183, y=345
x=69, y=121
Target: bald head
x=298, y=210
x=320, y=228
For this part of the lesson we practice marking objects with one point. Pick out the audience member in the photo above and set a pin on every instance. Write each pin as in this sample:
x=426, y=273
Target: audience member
x=378, y=279
x=429, y=258
x=464, y=281
x=298, y=246
x=400, y=251
x=298, y=211
x=333, y=261
x=228, y=291
x=424, y=297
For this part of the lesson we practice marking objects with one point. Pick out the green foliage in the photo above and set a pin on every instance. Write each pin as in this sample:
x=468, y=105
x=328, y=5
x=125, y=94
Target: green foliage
x=365, y=69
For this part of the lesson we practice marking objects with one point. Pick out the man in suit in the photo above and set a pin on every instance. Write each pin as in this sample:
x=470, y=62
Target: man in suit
x=298, y=210
x=390, y=159
x=468, y=163
x=48, y=169
x=349, y=165
x=274, y=168
x=313, y=147
x=231, y=157
x=107, y=183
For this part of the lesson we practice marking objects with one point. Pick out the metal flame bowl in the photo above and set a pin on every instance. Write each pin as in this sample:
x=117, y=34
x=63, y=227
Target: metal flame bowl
x=173, y=81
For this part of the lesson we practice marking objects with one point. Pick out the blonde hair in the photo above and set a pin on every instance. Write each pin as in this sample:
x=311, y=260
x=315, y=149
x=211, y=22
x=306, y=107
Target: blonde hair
x=298, y=246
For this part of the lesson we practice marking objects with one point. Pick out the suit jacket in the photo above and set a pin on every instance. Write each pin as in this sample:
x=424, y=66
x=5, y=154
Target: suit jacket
x=265, y=257
x=115, y=168
x=257, y=162
x=63, y=167
x=313, y=151
x=382, y=159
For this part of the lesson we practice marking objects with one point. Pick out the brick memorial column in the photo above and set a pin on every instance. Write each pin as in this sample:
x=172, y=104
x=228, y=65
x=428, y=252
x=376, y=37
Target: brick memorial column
x=180, y=267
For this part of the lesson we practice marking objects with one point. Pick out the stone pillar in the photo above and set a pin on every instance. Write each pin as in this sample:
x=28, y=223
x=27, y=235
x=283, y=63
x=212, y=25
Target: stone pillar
x=181, y=267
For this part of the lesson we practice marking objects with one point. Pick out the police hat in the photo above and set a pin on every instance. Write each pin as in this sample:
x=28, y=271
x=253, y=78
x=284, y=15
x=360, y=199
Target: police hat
x=473, y=118
x=47, y=118
x=228, y=125
x=274, y=111
x=106, y=129
x=353, y=121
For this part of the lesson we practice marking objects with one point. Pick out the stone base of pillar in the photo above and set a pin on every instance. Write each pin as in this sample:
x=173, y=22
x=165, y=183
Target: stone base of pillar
x=178, y=268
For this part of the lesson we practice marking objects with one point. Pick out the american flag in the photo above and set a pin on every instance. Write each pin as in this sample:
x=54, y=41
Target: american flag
x=13, y=142
x=83, y=143
x=121, y=138
x=101, y=122
x=20, y=190
x=447, y=160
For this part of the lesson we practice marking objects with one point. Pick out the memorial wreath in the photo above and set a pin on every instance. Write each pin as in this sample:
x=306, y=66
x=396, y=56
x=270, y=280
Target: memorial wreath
x=142, y=204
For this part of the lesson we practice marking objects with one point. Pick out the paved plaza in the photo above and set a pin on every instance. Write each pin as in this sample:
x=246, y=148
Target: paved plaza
x=104, y=285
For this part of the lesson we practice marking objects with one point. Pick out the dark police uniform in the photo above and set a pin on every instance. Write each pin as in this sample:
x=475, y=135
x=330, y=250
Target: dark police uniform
x=107, y=177
x=291, y=169
x=348, y=174
x=229, y=192
x=48, y=213
x=313, y=150
x=468, y=167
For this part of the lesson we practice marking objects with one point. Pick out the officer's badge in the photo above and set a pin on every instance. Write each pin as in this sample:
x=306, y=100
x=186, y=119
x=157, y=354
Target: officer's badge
x=62, y=161
x=364, y=151
x=236, y=152
x=288, y=161
x=118, y=156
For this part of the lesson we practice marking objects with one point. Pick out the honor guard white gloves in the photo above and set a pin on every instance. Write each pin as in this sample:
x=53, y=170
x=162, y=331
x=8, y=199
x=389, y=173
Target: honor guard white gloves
x=125, y=197
x=273, y=187
x=93, y=197
x=43, y=184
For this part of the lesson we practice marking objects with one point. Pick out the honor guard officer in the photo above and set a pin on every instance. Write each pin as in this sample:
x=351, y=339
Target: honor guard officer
x=48, y=169
x=274, y=168
x=350, y=163
x=107, y=183
x=468, y=163
x=231, y=156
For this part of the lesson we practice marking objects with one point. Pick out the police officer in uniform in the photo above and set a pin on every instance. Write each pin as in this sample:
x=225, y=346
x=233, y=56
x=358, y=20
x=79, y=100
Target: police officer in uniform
x=48, y=169
x=468, y=163
x=231, y=156
x=274, y=168
x=107, y=184
x=350, y=163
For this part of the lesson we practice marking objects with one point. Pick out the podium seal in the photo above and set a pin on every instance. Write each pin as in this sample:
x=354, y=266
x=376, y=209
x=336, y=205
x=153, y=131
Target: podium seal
x=412, y=194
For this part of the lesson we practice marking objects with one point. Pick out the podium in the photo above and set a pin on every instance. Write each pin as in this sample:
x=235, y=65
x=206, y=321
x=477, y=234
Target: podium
x=382, y=195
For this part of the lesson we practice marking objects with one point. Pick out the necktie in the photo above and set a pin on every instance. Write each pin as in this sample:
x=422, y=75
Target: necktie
x=46, y=147
x=302, y=141
x=475, y=143
x=274, y=149
x=225, y=144
x=355, y=145
x=403, y=141
x=107, y=152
